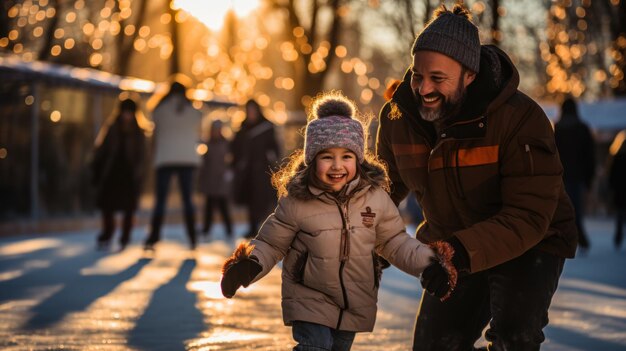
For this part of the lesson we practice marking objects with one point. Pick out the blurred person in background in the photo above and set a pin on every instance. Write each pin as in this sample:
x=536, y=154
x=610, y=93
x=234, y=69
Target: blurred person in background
x=118, y=171
x=213, y=179
x=577, y=151
x=617, y=182
x=176, y=132
x=255, y=152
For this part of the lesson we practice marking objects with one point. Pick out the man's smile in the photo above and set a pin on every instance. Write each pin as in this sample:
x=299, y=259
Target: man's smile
x=430, y=100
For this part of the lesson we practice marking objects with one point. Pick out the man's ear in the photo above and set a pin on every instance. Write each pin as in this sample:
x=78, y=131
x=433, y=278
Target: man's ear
x=468, y=78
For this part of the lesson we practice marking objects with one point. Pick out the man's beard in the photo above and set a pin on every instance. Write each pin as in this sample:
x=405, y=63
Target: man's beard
x=450, y=106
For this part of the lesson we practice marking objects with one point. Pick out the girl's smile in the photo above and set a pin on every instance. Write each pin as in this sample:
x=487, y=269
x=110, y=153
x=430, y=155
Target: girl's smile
x=335, y=167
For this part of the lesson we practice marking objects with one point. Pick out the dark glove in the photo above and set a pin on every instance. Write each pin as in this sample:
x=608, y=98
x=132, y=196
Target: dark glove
x=238, y=274
x=451, y=260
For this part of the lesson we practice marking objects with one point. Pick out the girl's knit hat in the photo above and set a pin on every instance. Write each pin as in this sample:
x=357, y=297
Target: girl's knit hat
x=332, y=124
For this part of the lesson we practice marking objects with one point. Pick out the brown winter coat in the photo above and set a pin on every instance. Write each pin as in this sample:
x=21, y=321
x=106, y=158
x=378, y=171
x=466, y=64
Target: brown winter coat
x=255, y=152
x=330, y=270
x=118, y=168
x=491, y=177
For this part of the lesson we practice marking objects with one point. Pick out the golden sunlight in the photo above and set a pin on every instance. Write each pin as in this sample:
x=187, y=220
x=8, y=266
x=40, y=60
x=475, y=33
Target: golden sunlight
x=28, y=246
x=212, y=14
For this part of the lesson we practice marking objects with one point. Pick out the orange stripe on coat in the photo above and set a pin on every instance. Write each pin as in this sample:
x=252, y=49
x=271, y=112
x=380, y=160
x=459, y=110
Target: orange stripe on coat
x=476, y=156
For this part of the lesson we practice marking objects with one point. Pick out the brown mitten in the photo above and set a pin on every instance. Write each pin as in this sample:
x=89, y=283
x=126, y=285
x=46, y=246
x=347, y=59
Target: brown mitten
x=239, y=270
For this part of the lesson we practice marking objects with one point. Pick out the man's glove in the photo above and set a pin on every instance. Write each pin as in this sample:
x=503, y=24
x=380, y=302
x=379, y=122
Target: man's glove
x=239, y=270
x=451, y=260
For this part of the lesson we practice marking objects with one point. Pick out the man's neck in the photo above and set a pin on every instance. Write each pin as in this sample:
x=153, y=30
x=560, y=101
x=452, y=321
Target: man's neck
x=438, y=124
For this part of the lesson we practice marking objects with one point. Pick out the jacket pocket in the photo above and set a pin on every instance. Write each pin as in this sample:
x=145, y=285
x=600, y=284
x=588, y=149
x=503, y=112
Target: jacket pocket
x=540, y=155
x=377, y=263
x=299, y=266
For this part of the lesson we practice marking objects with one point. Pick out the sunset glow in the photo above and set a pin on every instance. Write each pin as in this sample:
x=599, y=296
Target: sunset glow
x=212, y=14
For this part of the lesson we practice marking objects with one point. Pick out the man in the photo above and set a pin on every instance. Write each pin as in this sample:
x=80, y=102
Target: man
x=480, y=157
x=577, y=150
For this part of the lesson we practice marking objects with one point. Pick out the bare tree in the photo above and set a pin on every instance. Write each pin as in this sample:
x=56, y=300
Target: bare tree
x=125, y=43
x=44, y=51
x=175, y=59
x=308, y=19
x=616, y=13
x=578, y=37
x=496, y=35
x=5, y=21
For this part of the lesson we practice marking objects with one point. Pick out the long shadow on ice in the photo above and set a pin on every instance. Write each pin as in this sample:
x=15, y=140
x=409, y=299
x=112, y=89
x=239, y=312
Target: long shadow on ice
x=61, y=271
x=171, y=318
x=77, y=294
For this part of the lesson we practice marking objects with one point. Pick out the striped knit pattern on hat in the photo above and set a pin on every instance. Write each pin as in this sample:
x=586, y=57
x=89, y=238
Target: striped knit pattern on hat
x=334, y=126
x=453, y=35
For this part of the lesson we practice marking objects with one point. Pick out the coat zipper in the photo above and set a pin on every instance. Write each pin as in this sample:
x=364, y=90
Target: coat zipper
x=457, y=171
x=345, y=253
x=530, y=158
x=453, y=172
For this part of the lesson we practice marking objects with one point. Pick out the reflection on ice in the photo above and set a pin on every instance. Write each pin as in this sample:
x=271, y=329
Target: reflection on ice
x=592, y=287
x=583, y=308
x=209, y=289
x=223, y=335
x=27, y=246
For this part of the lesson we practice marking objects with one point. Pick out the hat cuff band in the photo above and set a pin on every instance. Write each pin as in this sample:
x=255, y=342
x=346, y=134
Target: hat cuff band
x=455, y=49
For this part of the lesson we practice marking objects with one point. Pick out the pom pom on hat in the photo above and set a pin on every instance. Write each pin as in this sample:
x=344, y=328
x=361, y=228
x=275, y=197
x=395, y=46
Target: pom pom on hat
x=332, y=124
x=333, y=106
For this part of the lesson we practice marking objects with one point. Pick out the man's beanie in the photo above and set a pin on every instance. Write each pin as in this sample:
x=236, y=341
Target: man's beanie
x=332, y=124
x=452, y=34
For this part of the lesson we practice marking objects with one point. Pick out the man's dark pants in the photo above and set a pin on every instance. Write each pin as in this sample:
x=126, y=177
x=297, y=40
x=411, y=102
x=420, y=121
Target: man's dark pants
x=515, y=296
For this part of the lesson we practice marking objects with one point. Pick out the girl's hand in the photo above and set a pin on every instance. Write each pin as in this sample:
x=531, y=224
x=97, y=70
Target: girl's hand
x=239, y=270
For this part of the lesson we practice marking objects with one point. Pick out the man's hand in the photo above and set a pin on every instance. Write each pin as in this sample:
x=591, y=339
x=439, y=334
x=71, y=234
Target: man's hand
x=440, y=277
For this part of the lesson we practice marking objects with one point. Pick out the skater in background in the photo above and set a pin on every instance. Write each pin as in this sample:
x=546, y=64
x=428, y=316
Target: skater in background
x=577, y=152
x=617, y=182
x=176, y=134
x=255, y=152
x=118, y=171
x=213, y=179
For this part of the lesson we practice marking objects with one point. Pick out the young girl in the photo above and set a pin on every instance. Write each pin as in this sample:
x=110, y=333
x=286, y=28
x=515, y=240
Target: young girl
x=333, y=219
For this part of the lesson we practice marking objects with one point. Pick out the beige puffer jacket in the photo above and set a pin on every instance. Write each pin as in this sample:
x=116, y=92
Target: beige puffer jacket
x=330, y=269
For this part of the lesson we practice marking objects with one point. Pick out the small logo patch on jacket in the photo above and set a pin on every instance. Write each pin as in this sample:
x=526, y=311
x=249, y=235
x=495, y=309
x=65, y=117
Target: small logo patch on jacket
x=368, y=217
